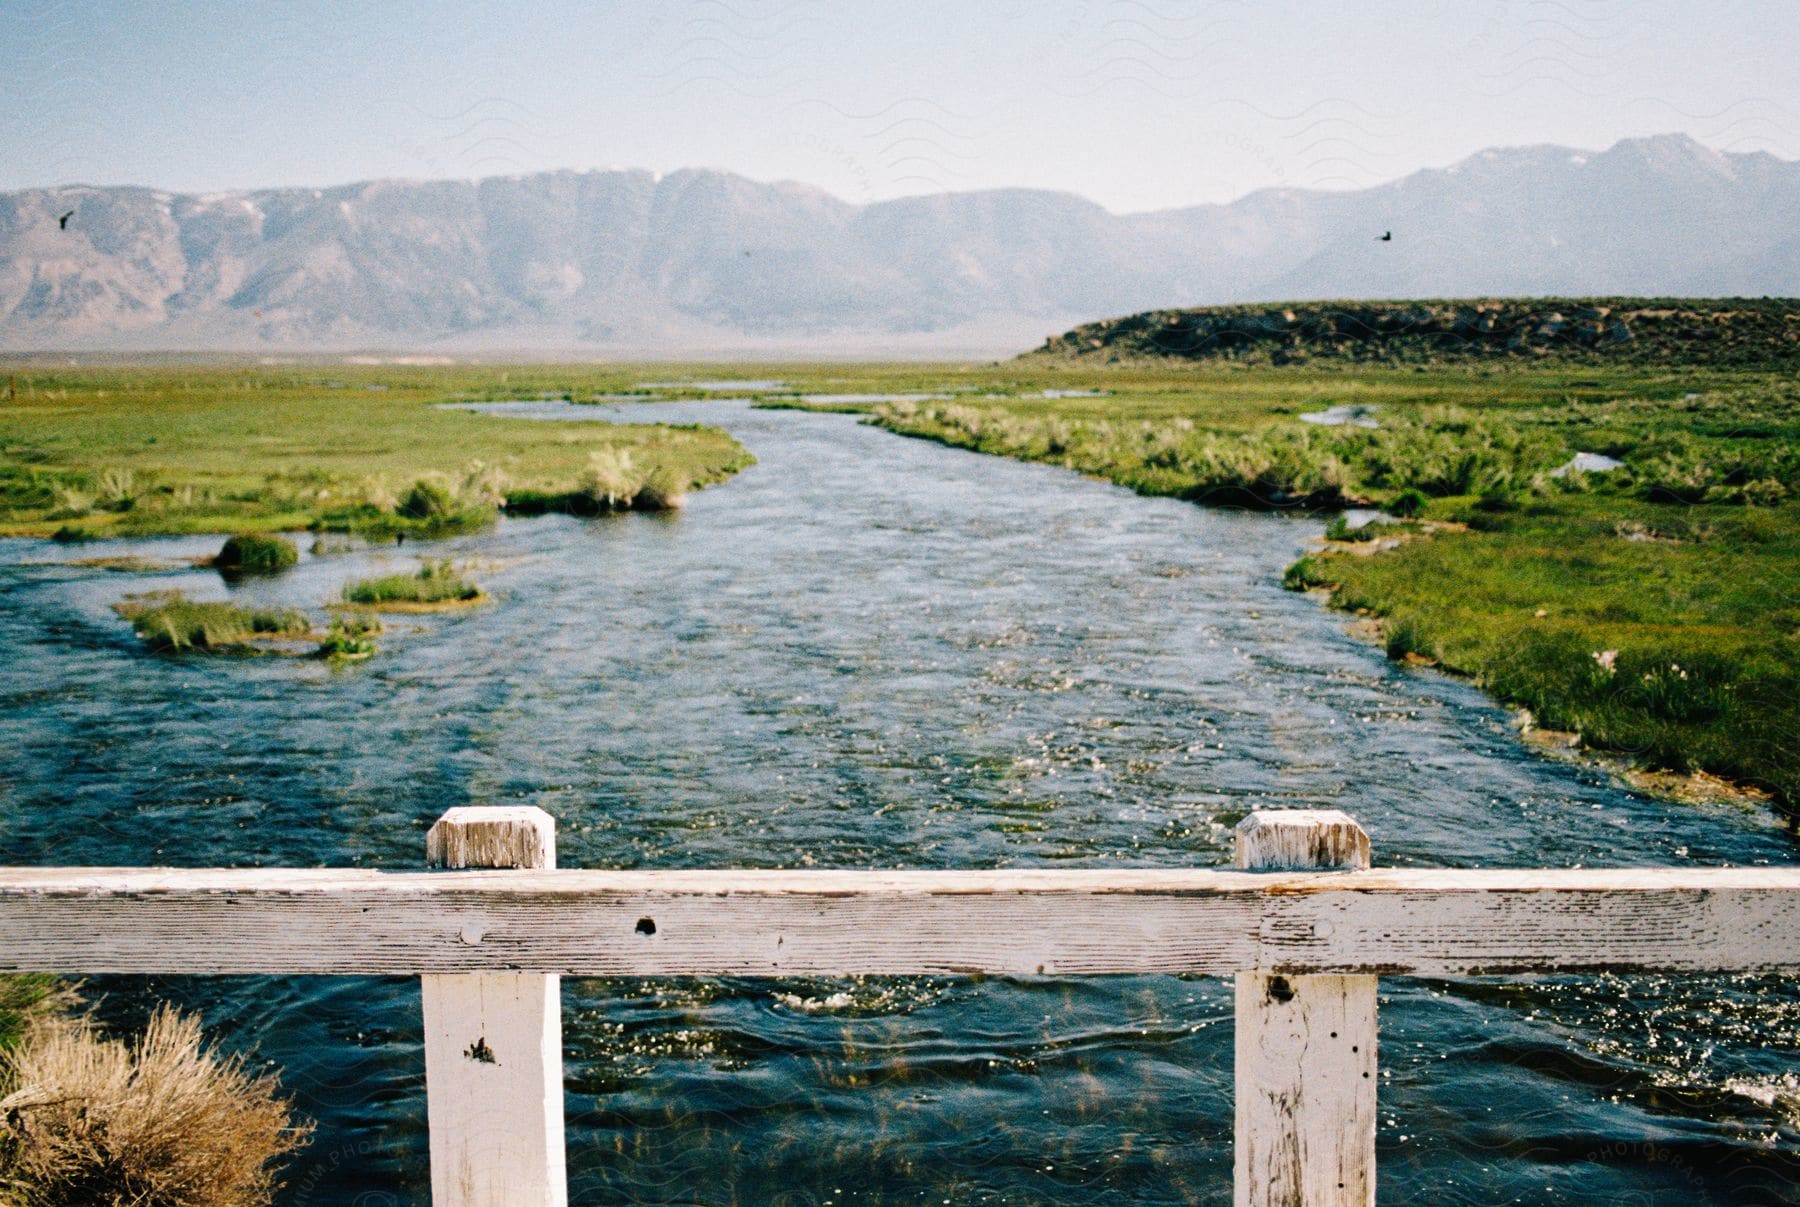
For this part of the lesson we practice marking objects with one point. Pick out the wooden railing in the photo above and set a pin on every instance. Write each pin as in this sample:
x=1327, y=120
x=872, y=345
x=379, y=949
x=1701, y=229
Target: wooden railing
x=1305, y=947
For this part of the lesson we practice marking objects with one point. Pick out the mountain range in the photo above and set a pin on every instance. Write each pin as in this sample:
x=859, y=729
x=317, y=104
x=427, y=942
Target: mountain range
x=618, y=263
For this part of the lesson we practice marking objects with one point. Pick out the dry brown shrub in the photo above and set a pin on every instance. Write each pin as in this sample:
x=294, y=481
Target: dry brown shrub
x=161, y=1121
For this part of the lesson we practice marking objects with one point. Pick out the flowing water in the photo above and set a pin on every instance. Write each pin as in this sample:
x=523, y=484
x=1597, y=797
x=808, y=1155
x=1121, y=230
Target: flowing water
x=868, y=651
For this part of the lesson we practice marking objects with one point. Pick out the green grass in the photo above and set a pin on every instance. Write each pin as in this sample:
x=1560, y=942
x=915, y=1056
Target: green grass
x=252, y=553
x=1340, y=530
x=25, y=997
x=350, y=638
x=1706, y=627
x=156, y=448
x=171, y=622
x=435, y=584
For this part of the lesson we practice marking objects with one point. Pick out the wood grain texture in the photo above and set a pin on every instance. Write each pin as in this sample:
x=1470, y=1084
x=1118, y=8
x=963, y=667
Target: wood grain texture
x=1305, y=1084
x=493, y=1041
x=1304, y=1052
x=777, y=923
x=492, y=836
x=1296, y=839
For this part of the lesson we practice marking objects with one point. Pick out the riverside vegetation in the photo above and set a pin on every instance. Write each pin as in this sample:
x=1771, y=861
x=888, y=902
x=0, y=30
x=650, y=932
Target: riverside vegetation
x=161, y=1120
x=157, y=449
x=1650, y=608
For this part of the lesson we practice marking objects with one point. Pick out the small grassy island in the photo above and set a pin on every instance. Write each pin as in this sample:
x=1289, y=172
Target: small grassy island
x=435, y=588
x=253, y=553
x=169, y=621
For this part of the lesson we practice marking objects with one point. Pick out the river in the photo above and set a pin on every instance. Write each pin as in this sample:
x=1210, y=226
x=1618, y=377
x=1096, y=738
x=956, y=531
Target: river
x=869, y=651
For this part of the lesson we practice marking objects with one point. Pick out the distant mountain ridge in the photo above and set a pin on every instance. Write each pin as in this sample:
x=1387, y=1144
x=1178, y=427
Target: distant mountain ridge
x=623, y=262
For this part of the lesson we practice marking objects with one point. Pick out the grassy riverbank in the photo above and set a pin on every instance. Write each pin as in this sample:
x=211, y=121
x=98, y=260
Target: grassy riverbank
x=1651, y=609
x=133, y=450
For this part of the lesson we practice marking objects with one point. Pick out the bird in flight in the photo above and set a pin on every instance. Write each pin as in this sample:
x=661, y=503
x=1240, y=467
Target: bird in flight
x=1386, y=237
x=62, y=223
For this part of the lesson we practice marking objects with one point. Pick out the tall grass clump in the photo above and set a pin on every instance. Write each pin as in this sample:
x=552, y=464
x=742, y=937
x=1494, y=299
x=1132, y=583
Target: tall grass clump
x=1305, y=574
x=1444, y=451
x=174, y=623
x=430, y=507
x=1406, y=636
x=118, y=489
x=1408, y=503
x=435, y=584
x=249, y=553
x=427, y=500
x=665, y=489
x=1680, y=467
x=484, y=485
x=433, y=508
x=1270, y=468
x=350, y=638
x=162, y=1121
x=610, y=483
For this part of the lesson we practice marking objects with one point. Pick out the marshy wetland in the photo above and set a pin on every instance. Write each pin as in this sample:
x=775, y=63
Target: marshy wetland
x=867, y=651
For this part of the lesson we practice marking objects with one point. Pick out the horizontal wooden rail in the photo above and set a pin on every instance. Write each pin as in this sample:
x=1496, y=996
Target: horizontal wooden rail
x=1305, y=946
x=827, y=923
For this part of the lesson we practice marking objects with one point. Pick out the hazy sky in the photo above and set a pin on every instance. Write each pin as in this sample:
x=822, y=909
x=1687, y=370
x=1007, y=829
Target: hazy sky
x=1135, y=103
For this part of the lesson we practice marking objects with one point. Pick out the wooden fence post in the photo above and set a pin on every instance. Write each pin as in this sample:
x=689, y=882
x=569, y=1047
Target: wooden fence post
x=1305, y=1063
x=493, y=1041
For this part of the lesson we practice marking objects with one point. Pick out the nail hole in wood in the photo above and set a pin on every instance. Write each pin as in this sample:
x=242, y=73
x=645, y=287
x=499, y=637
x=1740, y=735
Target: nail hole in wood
x=1280, y=990
x=646, y=926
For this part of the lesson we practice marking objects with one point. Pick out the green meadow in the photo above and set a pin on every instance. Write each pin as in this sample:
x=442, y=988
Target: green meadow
x=156, y=449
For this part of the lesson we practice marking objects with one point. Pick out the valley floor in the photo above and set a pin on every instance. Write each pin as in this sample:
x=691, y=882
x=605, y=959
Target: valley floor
x=1649, y=607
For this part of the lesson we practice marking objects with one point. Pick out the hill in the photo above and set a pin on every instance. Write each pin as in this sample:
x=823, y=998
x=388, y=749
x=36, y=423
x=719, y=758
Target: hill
x=1744, y=332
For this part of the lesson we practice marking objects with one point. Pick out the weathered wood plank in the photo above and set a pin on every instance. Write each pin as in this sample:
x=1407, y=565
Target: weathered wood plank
x=493, y=1041
x=1305, y=1045
x=1057, y=922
